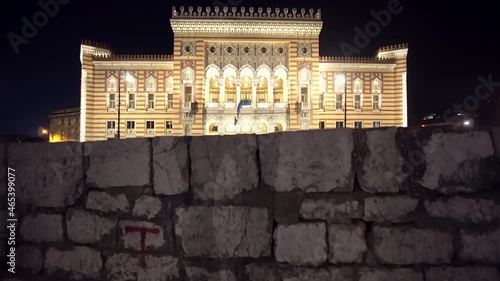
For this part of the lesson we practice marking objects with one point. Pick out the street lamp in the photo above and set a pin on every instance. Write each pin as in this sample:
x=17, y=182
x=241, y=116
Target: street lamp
x=128, y=78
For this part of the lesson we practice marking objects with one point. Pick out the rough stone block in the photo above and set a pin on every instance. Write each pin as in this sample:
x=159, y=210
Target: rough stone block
x=382, y=165
x=464, y=209
x=347, y=243
x=480, y=247
x=224, y=231
x=201, y=274
x=331, y=209
x=170, y=165
x=79, y=263
x=42, y=228
x=119, y=162
x=131, y=235
x=467, y=273
x=127, y=267
x=259, y=272
x=286, y=207
x=47, y=175
x=455, y=162
x=105, y=202
x=30, y=257
x=301, y=244
x=400, y=274
x=389, y=209
x=147, y=206
x=401, y=246
x=223, y=167
x=305, y=274
x=310, y=161
x=87, y=228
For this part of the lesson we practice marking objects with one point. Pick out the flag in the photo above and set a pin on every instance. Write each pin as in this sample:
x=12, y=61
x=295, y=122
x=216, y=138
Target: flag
x=240, y=104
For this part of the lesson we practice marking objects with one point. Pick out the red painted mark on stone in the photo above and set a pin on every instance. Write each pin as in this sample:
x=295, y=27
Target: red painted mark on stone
x=143, y=231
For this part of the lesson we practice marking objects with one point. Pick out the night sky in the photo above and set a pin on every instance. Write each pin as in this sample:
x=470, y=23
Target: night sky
x=451, y=45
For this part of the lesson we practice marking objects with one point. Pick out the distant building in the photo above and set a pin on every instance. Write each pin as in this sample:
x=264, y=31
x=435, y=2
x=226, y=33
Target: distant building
x=239, y=72
x=64, y=125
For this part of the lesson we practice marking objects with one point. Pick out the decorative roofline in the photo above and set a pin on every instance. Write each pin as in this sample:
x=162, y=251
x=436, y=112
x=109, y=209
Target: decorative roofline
x=96, y=44
x=356, y=59
x=133, y=57
x=393, y=51
x=244, y=13
x=393, y=47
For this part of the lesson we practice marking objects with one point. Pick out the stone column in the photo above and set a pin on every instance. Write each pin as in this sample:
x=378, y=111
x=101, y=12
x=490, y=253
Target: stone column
x=270, y=92
x=254, y=92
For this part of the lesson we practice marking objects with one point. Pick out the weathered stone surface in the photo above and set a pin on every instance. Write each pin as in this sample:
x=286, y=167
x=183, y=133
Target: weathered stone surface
x=42, y=228
x=468, y=273
x=301, y=244
x=87, y=228
x=342, y=274
x=201, y=274
x=47, y=175
x=312, y=161
x=126, y=267
x=464, y=209
x=30, y=257
x=219, y=176
x=119, y=162
x=147, y=206
x=389, y=209
x=286, y=207
x=480, y=247
x=347, y=243
x=79, y=263
x=224, y=231
x=304, y=274
x=331, y=209
x=411, y=246
x=105, y=202
x=454, y=162
x=170, y=165
x=400, y=274
x=381, y=169
x=131, y=235
x=259, y=272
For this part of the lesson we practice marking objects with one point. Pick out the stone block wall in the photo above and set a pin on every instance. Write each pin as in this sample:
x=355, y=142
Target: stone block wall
x=385, y=204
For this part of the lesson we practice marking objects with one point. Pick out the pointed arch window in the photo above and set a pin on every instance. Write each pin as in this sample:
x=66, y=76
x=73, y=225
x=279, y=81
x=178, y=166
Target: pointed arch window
x=111, y=97
x=188, y=76
x=358, y=94
x=376, y=94
x=214, y=89
x=339, y=88
x=230, y=89
x=262, y=89
x=246, y=88
x=278, y=90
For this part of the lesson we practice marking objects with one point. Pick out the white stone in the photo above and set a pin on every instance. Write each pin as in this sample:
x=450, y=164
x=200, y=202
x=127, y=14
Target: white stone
x=400, y=274
x=310, y=161
x=389, y=209
x=30, y=257
x=466, y=273
x=86, y=228
x=47, y=175
x=42, y=228
x=301, y=244
x=331, y=209
x=121, y=267
x=197, y=273
x=412, y=246
x=147, y=206
x=347, y=243
x=480, y=247
x=105, y=202
x=170, y=165
x=382, y=166
x=222, y=168
x=227, y=231
x=119, y=162
x=79, y=263
x=453, y=160
x=464, y=209
x=132, y=239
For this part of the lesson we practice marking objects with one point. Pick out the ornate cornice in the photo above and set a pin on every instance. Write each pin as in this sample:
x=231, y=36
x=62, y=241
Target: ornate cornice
x=135, y=58
x=357, y=59
x=393, y=51
x=245, y=28
x=245, y=14
x=94, y=50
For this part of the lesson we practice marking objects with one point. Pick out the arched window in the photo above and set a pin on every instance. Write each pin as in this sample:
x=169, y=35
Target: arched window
x=214, y=89
x=304, y=77
x=358, y=94
x=151, y=84
x=111, y=99
x=112, y=85
x=339, y=88
x=230, y=89
x=262, y=89
x=188, y=76
x=213, y=129
x=246, y=88
x=131, y=83
x=169, y=84
x=262, y=128
x=278, y=90
x=278, y=127
x=376, y=94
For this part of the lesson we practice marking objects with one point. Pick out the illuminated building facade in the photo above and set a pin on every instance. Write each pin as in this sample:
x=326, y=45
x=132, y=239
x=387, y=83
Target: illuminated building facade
x=64, y=125
x=264, y=61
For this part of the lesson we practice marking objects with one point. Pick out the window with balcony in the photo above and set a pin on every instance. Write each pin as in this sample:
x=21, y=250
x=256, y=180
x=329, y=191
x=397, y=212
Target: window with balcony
x=262, y=89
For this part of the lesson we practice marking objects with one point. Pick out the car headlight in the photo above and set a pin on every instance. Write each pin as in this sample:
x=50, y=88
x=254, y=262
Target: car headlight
x=467, y=123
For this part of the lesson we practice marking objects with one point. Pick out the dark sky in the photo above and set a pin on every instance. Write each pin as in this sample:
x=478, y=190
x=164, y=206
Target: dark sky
x=451, y=45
